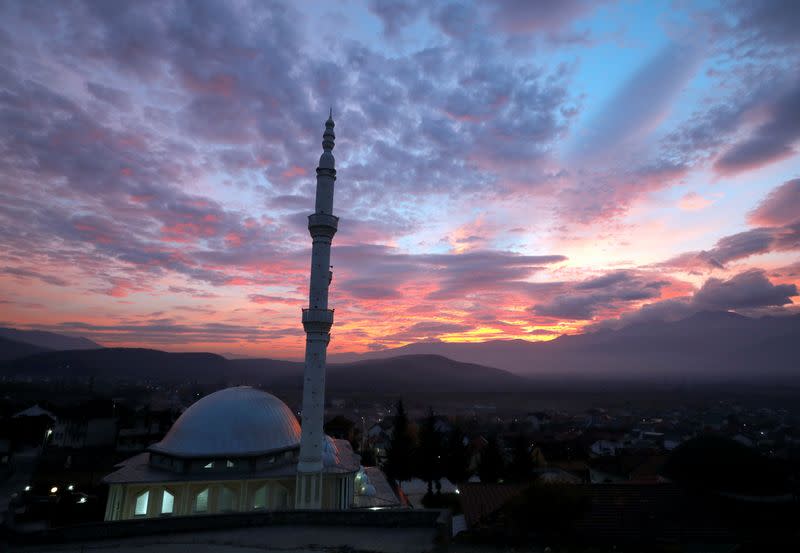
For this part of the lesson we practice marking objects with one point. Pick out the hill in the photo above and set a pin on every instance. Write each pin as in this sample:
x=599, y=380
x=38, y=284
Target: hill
x=12, y=349
x=400, y=374
x=704, y=347
x=47, y=340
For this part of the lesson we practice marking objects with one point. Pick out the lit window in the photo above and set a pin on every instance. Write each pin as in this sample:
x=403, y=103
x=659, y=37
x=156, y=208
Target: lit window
x=230, y=464
x=227, y=500
x=209, y=465
x=201, y=502
x=260, y=499
x=167, y=503
x=141, y=504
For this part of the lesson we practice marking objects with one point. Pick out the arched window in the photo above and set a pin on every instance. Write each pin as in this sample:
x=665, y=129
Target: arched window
x=201, y=502
x=167, y=503
x=260, y=498
x=141, y=504
x=228, y=500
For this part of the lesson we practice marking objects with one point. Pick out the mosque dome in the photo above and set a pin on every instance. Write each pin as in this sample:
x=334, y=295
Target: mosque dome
x=241, y=421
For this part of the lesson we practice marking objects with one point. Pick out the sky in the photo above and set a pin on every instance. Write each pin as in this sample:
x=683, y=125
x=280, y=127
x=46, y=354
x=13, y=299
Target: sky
x=507, y=169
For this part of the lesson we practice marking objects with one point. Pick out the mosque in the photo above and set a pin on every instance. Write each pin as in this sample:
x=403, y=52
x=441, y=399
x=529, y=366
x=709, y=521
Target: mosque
x=242, y=449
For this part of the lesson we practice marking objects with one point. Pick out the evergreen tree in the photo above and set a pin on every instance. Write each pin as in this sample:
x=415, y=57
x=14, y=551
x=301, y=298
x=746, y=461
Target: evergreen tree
x=521, y=465
x=398, y=466
x=491, y=464
x=429, y=454
x=456, y=457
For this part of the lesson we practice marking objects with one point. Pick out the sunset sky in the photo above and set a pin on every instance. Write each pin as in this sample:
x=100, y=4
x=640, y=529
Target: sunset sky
x=505, y=169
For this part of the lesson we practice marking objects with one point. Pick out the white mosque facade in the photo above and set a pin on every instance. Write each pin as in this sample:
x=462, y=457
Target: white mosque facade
x=241, y=449
x=234, y=450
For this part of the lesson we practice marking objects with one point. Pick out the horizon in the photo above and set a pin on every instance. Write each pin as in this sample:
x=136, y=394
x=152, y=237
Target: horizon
x=509, y=171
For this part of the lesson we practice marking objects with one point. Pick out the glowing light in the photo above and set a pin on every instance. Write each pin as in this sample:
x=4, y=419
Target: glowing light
x=27, y=488
x=82, y=500
x=71, y=487
x=54, y=489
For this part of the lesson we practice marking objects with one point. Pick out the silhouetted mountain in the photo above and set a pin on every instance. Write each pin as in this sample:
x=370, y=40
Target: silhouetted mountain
x=400, y=374
x=47, y=340
x=705, y=346
x=11, y=349
x=123, y=363
x=421, y=373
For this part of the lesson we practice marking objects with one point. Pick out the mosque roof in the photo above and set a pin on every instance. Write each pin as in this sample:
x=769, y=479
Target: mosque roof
x=240, y=421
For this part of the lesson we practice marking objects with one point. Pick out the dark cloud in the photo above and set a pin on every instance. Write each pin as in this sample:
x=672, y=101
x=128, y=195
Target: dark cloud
x=117, y=98
x=771, y=22
x=748, y=291
x=445, y=276
x=585, y=300
x=745, y=290
x=768, y=142
x=26, y=274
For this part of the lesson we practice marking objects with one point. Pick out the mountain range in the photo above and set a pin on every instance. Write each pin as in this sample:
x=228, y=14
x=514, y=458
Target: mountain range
x=408, y=373
x=707, y=347
x=16, y=343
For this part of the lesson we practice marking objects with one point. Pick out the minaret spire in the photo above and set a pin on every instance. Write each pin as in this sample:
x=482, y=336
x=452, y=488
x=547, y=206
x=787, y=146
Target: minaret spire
x=317, y=322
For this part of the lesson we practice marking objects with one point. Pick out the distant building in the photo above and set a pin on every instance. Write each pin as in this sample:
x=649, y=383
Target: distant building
x=91, y=424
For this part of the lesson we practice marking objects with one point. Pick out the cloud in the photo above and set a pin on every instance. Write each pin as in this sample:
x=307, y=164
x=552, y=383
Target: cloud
x=749, y=289
x=26, y=274
x=692, y=201
x=770, y=141
x=780, y=207
x=113, y=96
x=166, y=332
x=586, y=299
x=522, y=16
x=396, y=14
x=746, y=291
x=639, y=105
x=778, y=213
x=427, y=331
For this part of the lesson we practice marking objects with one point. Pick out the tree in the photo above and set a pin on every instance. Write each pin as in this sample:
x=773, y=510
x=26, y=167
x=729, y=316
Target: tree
x=491, y=464
x=368, y=457
x=456, y=457
x=429, y=455
x=521, y=465
x=398, y=466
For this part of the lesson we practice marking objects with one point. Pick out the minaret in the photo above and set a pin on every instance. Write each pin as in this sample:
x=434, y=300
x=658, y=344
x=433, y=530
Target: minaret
x=317, y=322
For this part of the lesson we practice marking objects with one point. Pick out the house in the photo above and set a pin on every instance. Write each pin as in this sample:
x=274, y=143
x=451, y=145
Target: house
x=90, y=424
x=538, y=420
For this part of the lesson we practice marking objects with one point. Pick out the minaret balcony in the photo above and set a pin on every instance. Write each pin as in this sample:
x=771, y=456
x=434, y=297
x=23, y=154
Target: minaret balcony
x=317, y=320
x=323, y=224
